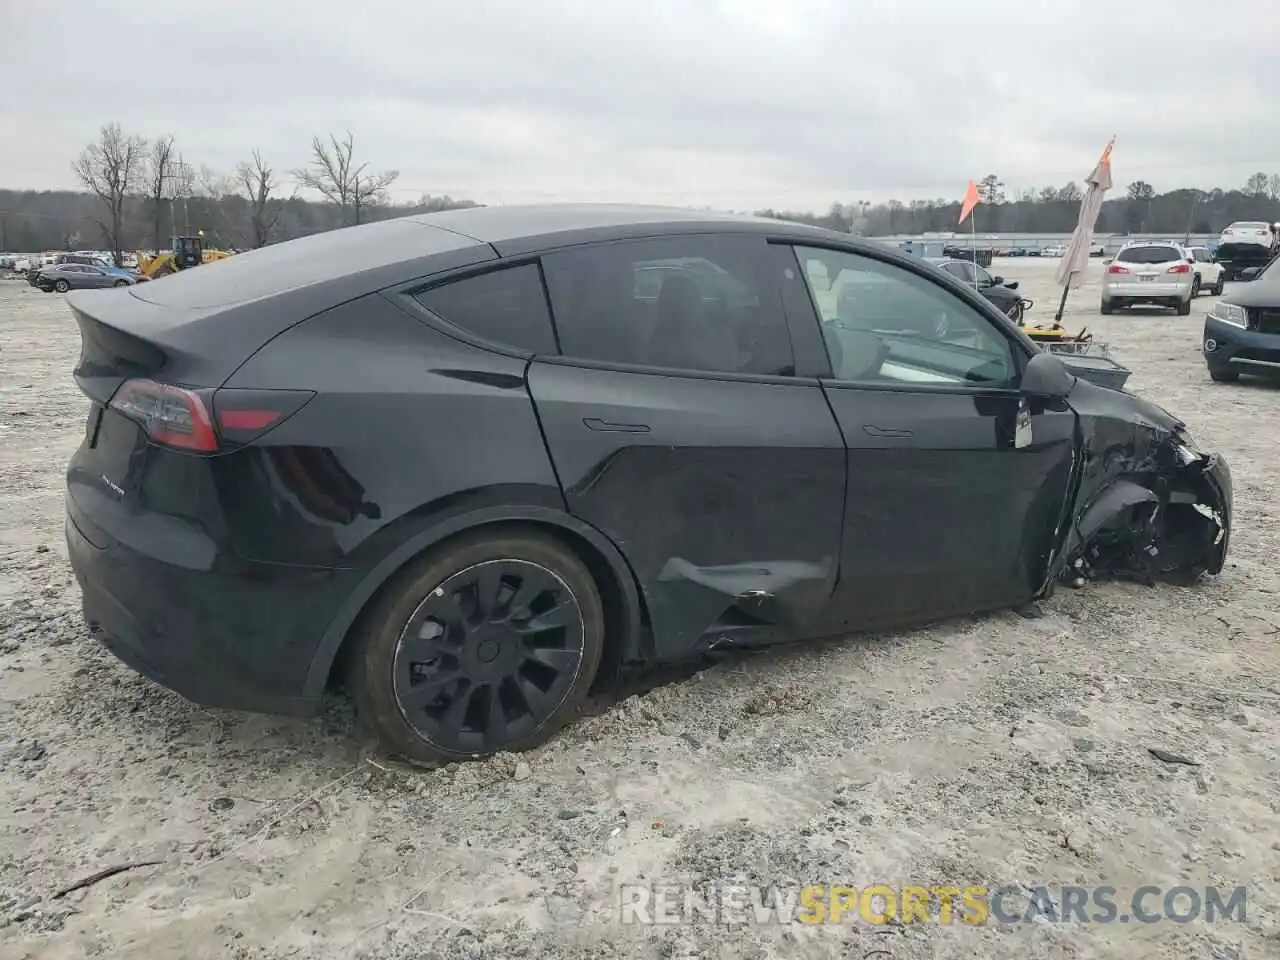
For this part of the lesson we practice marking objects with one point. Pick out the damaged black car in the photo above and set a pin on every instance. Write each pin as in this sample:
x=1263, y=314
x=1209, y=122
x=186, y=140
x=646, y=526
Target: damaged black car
x=475, y=465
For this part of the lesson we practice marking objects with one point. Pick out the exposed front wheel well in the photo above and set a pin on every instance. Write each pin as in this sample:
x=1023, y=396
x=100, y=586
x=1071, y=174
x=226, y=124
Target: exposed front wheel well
x=615, y=596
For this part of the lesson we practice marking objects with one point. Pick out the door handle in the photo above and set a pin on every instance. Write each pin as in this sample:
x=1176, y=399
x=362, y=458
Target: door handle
x=604, y=426
x=871, y=430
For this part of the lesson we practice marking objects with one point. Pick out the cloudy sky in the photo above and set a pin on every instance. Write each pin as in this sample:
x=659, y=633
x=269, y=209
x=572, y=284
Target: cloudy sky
x=728, y=103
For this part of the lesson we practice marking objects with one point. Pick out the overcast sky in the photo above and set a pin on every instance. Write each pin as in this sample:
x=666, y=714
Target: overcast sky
x=734, y=104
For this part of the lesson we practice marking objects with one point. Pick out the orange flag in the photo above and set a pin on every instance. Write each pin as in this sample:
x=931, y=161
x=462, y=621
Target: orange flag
x=970, y=201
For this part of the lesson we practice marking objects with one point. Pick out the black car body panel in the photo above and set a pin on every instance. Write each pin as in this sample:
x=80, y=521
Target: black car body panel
x=712, y=509
x=1148, y=503
x=723, y=495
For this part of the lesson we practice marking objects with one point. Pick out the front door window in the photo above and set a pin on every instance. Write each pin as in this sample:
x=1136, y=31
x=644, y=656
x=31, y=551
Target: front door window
x=884, y=324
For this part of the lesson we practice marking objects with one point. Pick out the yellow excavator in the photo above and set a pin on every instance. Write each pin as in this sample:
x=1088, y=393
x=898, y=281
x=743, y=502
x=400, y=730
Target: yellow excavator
x=186, y=252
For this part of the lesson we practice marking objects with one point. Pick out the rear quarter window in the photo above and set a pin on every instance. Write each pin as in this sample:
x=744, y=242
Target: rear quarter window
x=507, y=307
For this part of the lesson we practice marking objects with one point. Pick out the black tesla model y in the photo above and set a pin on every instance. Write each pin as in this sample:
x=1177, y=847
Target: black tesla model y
x=472, y=464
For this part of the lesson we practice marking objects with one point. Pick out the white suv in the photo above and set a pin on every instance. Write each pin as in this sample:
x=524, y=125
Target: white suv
x=1211, y=276
x=1155, y=273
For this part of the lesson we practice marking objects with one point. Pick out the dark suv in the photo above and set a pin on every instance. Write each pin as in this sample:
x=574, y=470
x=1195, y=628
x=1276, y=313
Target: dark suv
x=1242, y=330
x=475, y=463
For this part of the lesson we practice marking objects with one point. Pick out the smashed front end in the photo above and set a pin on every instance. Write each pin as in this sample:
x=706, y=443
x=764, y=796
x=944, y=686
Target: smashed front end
x=1149, y=505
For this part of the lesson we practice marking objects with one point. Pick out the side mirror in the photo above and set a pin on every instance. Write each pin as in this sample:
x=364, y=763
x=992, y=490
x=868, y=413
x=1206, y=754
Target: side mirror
x=1047, y=376
x=996, y=281
x=1249, y=273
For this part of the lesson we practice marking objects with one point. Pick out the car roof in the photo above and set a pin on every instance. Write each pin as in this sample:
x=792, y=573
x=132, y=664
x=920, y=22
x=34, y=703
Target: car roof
x=375, y=255
x=514, y=230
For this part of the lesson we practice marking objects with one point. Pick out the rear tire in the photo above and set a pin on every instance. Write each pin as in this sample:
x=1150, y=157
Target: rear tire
x=1217, y=288
x=1223, y=376
x=1107, y=308
x=121, y=283
x=1183, y=308
x=451, y=662
x=1195, y=287
x=62, y=286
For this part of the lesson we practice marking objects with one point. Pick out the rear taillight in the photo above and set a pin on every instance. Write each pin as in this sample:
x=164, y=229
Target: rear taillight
x=204, y=421
x=244, y=415
x=172, y=416
x=1180, y=268
x=1116, y=268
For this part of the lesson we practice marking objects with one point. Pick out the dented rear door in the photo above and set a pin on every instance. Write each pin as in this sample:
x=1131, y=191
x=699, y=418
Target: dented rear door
x=724, y=492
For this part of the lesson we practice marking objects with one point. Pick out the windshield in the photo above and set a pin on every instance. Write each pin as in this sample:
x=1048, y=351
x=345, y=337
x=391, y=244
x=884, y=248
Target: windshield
x=1149, y=255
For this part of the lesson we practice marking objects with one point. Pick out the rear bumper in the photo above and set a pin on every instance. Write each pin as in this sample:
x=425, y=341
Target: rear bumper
x=1228, y=347
x=228, y=634
x=1140, y=292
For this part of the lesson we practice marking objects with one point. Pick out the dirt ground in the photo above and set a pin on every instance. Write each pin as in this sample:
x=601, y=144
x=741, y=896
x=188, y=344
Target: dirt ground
x=990, y=751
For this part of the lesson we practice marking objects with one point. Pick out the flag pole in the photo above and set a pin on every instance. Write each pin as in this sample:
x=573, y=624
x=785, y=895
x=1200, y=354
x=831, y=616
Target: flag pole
x=1062, y=304
x=973, y=245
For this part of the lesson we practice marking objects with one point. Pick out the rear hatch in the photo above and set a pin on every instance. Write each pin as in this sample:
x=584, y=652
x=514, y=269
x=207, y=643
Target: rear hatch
x=152, y=375
x=1152, y=264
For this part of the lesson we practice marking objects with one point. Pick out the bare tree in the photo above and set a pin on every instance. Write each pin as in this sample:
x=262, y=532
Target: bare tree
x=895, y=211
x=211, y=184
x=160, y=171
x=112, y=168
x=336, y=176
x=1070, y=193
x=256, y=182
x=1256, y=185
x=209, y=189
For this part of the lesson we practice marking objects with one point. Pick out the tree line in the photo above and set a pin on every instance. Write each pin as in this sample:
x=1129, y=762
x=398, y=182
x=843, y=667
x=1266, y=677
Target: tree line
x=138, y=192
x=1135, y=209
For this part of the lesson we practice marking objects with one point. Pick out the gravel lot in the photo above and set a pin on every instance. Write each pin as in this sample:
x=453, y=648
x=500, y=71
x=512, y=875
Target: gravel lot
x=995, y=750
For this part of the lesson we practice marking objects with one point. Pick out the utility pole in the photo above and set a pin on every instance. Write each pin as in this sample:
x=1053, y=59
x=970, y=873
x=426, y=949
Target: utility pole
x=1196, y=197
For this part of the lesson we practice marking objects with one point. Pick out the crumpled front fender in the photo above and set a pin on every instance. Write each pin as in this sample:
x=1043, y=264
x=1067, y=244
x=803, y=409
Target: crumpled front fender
x=1147, y=504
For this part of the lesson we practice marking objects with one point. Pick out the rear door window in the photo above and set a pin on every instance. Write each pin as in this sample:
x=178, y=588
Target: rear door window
x=704, y=303
x=507, y=307
x=1152, y=254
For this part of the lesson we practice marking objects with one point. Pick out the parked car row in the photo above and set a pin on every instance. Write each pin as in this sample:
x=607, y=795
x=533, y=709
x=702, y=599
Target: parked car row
x=964, y=251
x=77, y=271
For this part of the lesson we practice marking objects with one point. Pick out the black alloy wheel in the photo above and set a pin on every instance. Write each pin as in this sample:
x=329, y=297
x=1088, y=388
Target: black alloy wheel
x=489, y=648
x=62, y=286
